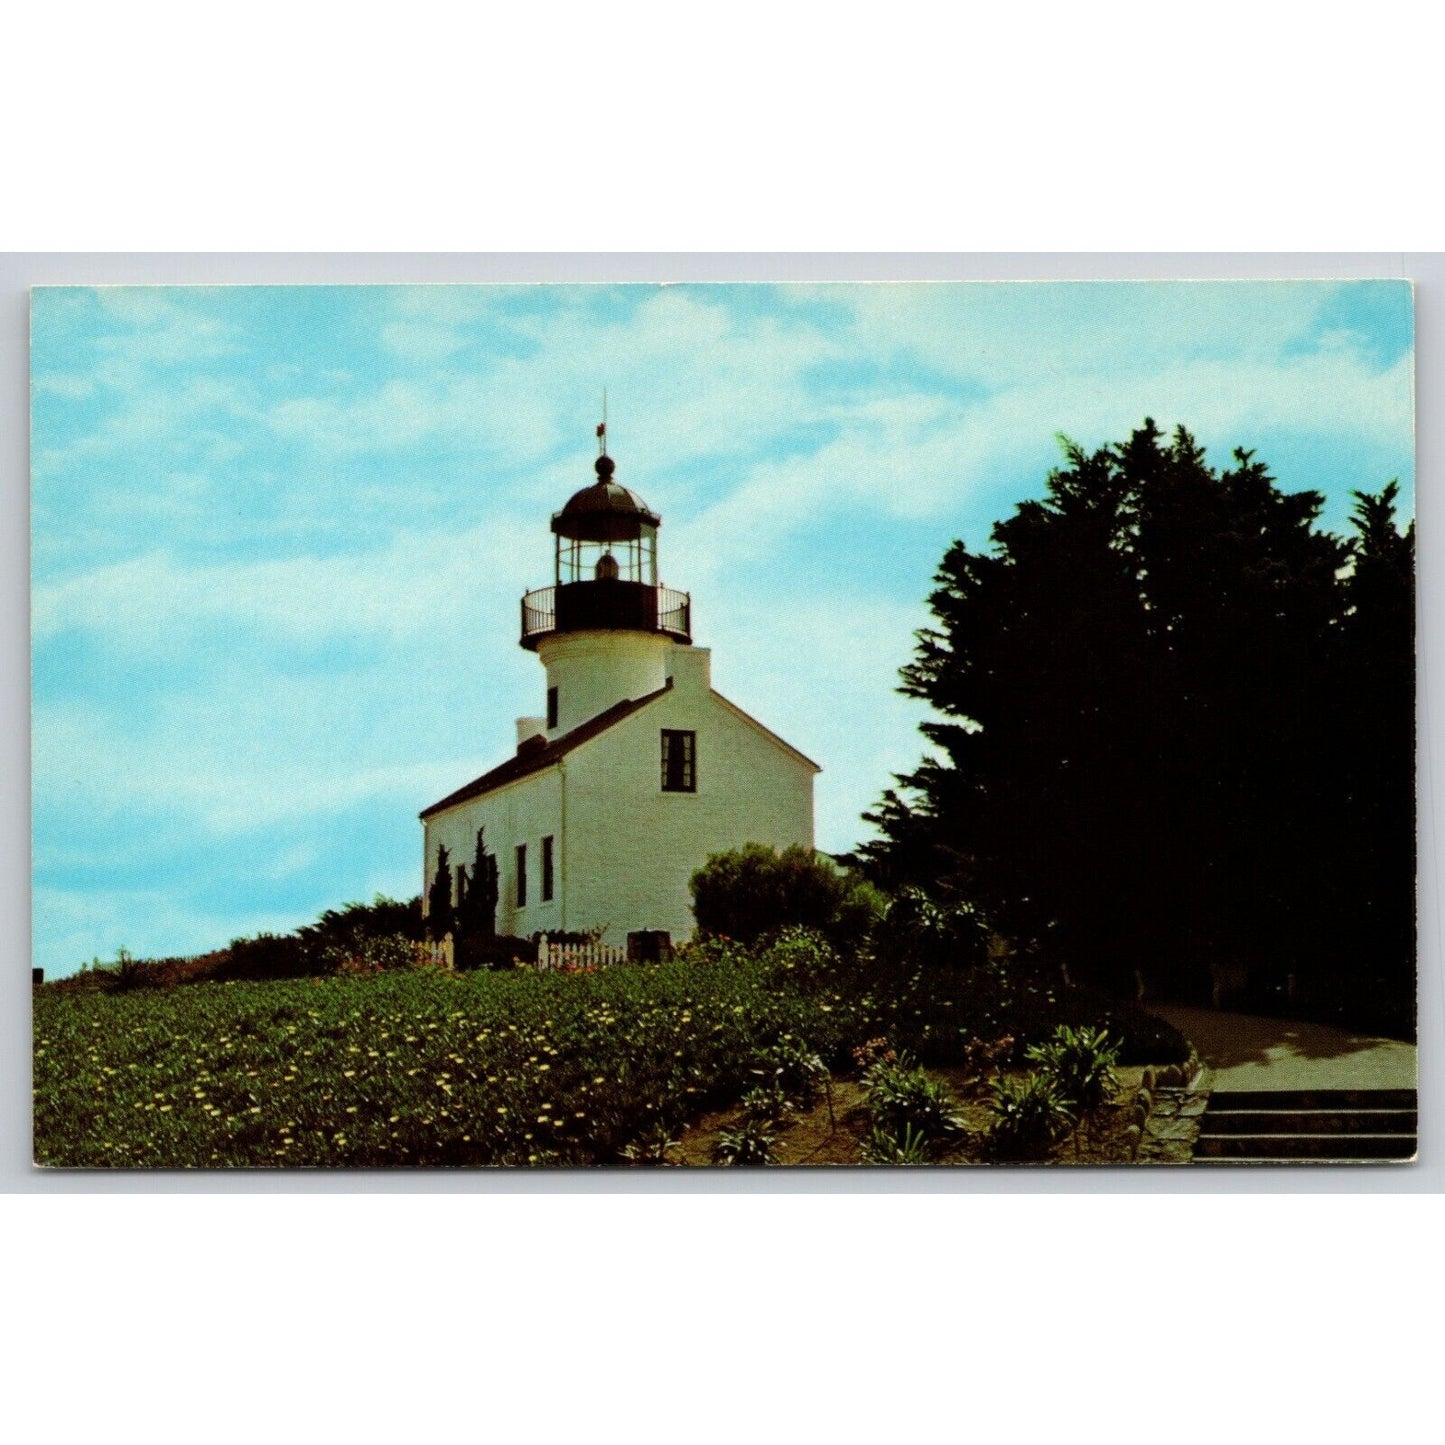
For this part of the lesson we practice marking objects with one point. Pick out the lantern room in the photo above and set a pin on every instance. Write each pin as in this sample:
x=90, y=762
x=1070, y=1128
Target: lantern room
x=605, y=533
x=605, y=569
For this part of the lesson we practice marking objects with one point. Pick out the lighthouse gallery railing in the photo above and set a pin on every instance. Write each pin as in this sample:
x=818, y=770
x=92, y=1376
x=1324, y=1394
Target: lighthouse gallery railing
x=606, y=604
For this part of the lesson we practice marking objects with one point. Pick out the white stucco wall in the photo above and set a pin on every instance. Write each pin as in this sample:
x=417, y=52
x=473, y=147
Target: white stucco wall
x=626, y=849
x=522, y=812
x=631, y=848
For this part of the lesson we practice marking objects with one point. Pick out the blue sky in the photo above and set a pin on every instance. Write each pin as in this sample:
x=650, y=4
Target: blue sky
x=279, y=533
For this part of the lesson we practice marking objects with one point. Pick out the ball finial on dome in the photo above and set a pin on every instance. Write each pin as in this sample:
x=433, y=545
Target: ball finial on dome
x=604, y=466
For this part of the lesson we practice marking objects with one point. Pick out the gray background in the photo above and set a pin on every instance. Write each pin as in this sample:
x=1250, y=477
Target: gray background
x=19, y=272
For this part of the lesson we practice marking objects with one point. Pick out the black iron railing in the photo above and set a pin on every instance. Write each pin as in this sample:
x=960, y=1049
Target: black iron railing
x=584, y=606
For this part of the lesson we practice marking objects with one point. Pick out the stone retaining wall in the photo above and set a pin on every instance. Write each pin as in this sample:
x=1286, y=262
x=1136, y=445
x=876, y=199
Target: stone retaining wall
x=1167, y=1112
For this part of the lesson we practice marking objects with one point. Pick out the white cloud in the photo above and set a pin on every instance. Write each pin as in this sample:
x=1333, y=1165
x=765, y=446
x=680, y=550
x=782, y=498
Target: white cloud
x=150, y=603
x=74, y=926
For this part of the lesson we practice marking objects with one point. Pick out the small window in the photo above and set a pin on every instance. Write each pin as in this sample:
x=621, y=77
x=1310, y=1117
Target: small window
x=547, y=869
x=551, y=707
x=521, y=875
x=679, y=761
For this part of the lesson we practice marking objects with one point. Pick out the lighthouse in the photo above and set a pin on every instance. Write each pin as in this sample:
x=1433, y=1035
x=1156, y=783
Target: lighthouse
x=635, y=769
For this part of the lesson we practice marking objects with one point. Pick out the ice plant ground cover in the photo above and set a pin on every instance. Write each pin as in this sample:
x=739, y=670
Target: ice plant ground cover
x=423, y=1067
x=413, y=1068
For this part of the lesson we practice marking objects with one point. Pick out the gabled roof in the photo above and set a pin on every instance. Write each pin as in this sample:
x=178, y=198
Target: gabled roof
x=540, y=756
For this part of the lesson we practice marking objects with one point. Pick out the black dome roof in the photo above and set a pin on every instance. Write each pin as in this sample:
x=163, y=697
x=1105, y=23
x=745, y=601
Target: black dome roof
x=604, y=512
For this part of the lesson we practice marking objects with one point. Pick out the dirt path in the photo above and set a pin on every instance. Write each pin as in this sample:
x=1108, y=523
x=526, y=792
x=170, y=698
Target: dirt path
x=1247, y=1052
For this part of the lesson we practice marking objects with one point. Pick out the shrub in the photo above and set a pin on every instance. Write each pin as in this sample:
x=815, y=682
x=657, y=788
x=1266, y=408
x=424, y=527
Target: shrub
x=750, y=1142
x=383, y=917
x=369, y=955
x=500, y=951
x=904, y=1100
x=801, y=956
x=266, y=957
x=940, y=1014
x=756, y=890
x=1082, y=1063
x=1030, y=1116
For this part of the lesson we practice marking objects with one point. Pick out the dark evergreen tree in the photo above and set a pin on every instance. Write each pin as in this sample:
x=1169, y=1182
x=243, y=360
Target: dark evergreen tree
x=440, y=914
x=1375, y=716
x=476, y=913
x=1144, y=759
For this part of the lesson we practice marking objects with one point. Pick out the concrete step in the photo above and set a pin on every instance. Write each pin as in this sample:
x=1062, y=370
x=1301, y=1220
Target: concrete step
x=1284, y=1126
x=1312, y=1099
x=1308, y=1121
x=1319, y=1147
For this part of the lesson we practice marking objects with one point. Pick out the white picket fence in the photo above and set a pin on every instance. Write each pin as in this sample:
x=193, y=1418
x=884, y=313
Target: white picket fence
x=433, y=953
x=577, y=955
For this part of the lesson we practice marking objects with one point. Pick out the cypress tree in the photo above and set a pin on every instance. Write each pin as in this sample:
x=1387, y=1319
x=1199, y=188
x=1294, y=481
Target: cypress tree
x=440, y=919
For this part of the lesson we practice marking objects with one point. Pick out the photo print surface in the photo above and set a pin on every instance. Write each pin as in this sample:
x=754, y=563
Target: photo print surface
x=958, y=724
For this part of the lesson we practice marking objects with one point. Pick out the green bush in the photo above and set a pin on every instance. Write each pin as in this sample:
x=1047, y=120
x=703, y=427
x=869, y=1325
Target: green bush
x=755, y=890
x=268, y=957
x=940, y=1014
x=383, y=917
x=1082, y=1062
x=369, y=955
x=1030, y=1116
x=803, y=957
x=500, y=951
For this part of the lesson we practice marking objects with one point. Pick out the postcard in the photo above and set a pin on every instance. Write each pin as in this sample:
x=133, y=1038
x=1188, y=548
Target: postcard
x=732, y=725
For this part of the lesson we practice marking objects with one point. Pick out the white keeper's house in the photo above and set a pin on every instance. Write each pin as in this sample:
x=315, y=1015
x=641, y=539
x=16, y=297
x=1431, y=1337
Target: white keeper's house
x=638, y=769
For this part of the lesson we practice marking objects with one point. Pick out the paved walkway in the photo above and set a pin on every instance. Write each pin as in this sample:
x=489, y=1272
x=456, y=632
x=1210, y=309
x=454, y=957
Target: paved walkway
x=1246, y=1052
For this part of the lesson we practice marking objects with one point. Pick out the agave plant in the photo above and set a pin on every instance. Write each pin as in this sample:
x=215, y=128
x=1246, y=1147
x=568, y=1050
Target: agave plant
x=881, y=1147
x=1030, y=1116
x=793, y=1067
x=903, y=1098
x=750, y=1142
x=652, y=1146
x=1082, y=1062
x=768, y=1102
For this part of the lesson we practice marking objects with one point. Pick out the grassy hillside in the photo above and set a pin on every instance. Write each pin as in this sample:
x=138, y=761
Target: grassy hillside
x=422, y=1067
x=402, y=1069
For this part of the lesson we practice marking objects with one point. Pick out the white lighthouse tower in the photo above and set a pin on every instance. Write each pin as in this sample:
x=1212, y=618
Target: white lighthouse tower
x=605, y=629
x=638, y=769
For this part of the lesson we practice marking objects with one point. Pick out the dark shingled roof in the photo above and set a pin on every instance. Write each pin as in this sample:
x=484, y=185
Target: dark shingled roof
x=539, y=756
